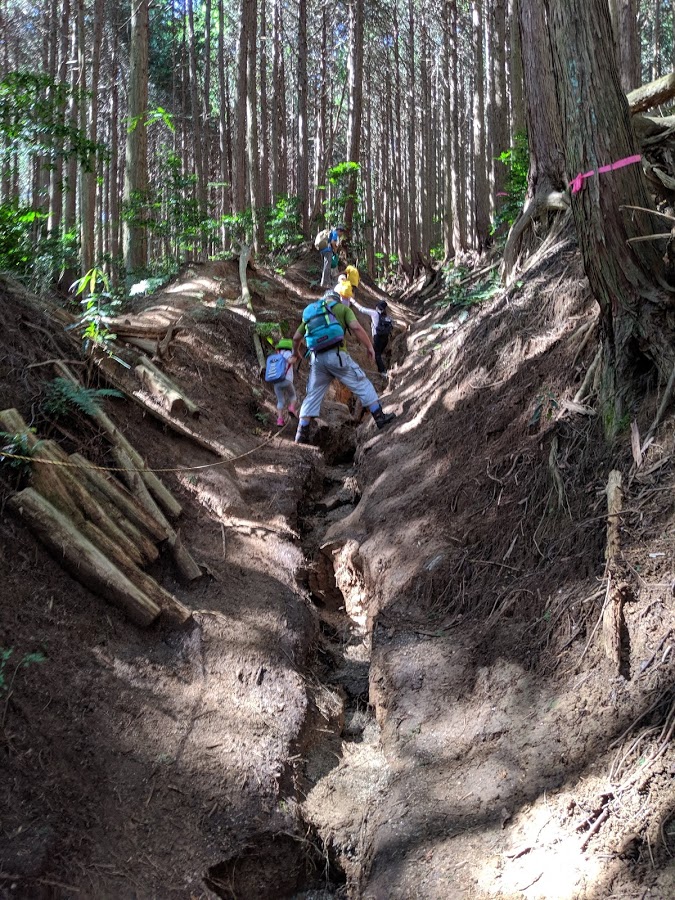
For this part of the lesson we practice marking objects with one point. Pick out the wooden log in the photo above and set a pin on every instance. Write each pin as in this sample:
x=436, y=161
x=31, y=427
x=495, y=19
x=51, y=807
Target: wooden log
x=171, y=608
x=170, y=399
x=126, y=329
x=168, y=502
x=144, y=344
x=106, y=366
x=141, y=541
x=81, y=557
x=188, y=568
x=647, y=96
x=88, y=507
x=132, y=510
x=191, y=408
x=164, y=390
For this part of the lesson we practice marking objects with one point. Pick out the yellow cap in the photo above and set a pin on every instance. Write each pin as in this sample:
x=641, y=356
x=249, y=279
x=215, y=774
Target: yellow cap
x=344, y=288
x=352, y=274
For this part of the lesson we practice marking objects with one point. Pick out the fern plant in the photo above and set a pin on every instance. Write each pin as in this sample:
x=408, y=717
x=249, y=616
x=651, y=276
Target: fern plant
x=62, y=398
x=14, y=445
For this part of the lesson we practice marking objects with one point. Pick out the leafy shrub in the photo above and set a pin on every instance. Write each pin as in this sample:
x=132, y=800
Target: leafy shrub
x=517, y=160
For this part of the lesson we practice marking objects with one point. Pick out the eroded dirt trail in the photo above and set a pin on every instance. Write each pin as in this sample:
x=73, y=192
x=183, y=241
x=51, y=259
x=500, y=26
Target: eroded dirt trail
x=394, y=684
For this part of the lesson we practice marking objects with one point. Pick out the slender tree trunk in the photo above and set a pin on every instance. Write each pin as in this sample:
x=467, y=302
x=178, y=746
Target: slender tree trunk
x=223, y=133
x=136, y=169
x=239, y=145
x=481, y=200
x=624, y=21
x=264, y=112
x=448, y=161
x=196, y=110
x=412, y=129
x=355, y=77
x=56, y=181
x=302, y=134
x=251, y=8
x=500, y=111
x=515, y=75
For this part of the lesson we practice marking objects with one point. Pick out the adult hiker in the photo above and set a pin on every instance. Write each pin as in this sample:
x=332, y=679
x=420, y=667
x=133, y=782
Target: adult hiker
x=326, y=243
x=324, y=326
x=381, y=326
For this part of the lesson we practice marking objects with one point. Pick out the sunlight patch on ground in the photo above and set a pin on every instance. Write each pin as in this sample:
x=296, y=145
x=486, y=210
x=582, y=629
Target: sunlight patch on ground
x=545, y=861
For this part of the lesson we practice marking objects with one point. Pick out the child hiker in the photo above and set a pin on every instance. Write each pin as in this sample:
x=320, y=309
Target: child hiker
x=285, y=390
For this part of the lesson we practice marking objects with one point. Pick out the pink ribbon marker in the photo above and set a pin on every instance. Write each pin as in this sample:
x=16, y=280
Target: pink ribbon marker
x=577, y=182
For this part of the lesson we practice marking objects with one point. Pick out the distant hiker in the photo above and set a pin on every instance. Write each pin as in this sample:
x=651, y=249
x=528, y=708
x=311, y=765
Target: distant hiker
x=323, y=328
x=381, y=326
x=285, y=389
x=326, y=242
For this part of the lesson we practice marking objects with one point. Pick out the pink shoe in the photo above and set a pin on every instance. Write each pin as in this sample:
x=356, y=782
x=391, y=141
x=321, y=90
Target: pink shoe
x=280, y=420
x=291, y=409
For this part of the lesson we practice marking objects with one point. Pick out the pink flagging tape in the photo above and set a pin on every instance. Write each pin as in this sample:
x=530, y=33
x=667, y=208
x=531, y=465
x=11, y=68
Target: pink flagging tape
x=577, y=183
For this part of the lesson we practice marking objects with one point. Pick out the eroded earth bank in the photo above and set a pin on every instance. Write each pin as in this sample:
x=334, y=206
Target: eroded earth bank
x=409, y=669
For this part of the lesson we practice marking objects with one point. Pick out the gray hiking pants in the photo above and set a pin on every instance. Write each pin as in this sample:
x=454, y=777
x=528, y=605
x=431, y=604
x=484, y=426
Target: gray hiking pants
x=327, y=366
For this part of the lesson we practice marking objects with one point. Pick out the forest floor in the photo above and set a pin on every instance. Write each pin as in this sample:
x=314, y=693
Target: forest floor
x=395, y=682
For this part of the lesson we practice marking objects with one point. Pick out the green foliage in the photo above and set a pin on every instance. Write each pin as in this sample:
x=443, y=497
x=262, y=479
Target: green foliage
x=62, y=398
x=32, y=118
x=517, y=160
x=98, y=304
x=16, y=445
x=16, y=237
x=240, y=225
x=544, y=407
x=272, y=332
x=461, y=296
x=26, y=252
x=340, y=179
x=282, y=226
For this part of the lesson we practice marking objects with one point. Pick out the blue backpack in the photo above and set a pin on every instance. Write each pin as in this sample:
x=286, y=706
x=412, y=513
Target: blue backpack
x=276, y=368
x=322, y=329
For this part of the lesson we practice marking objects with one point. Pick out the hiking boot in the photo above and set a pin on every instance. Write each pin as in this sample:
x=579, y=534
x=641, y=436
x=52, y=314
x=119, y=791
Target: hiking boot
x=302, y=435
x=382, y=418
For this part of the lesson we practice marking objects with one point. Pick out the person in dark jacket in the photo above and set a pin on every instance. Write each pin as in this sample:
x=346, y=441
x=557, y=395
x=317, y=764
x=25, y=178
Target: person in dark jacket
x=381, y=327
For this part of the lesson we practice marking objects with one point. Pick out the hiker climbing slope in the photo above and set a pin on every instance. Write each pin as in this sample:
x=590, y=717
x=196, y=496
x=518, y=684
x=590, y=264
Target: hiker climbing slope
x=382, y=326
x=323, y=328
x=326, y=242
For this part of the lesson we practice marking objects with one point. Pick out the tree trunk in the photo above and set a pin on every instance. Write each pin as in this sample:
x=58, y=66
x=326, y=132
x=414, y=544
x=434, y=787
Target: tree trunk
x=303, y=134
x=355, y=78
x=624, y=20
x=480, y=195
x=597, y=131
x=136, y=168
x=252, y=154
x=239, y=148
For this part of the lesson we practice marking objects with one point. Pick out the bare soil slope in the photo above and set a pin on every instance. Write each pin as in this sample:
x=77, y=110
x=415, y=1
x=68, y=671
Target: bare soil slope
x=394, y=683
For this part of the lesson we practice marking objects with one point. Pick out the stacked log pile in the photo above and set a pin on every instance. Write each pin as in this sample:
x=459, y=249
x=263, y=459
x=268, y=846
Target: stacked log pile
x=103, y=533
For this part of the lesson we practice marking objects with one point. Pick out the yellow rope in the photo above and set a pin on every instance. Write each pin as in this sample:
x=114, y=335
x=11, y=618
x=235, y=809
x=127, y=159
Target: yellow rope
x=73, y=465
